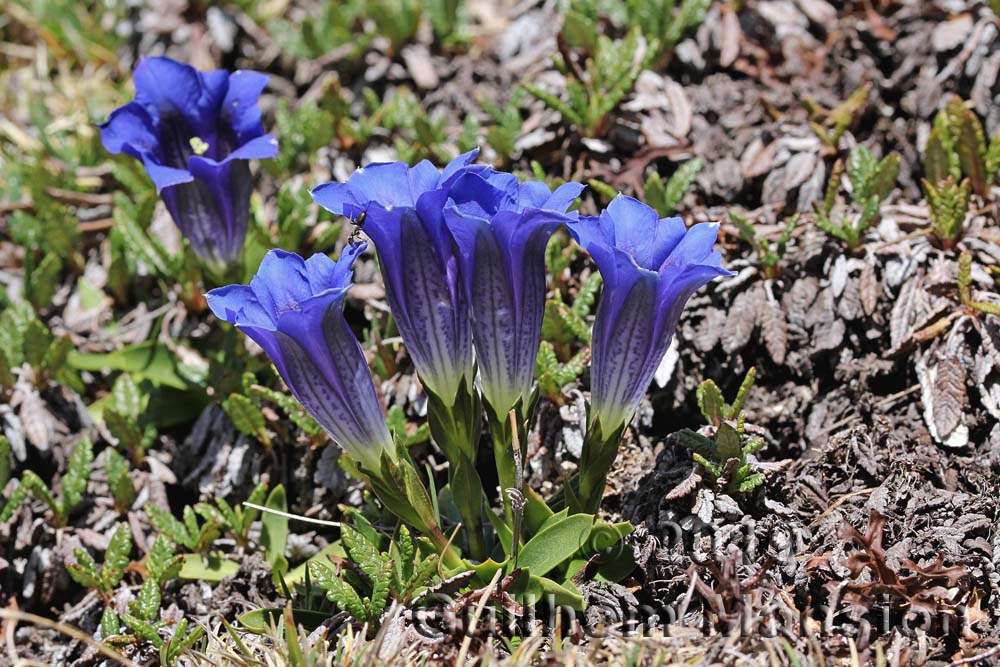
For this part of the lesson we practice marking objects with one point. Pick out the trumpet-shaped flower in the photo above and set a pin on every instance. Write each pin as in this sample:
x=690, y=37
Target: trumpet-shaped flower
x=402, y=214
x=194, y=132
x=501, y=227
x=650, y=267
x=293, y=309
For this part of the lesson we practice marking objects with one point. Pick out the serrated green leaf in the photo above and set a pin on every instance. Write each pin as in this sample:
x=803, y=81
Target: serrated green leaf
x=380, y=591
x=363, y=553
x=5, y=464
x=884, y=179
x=117, y=556
x=750, y=483
x=586, y=296
x=406, y=551
x=84, y=571
x=146, y=605
x=34, y=485
x=338, y=592
x=678, y=185
x=861, y=163
x=143, y=630
x=727, y=443
x=56, y=354
x=170, y=526
x=131, y=221
x=36, y=343
x=971, y=146
x=162, y=564
x=116, y=469
x=110, y=625
x=936, y=167
x=14, y=500
x=742, y=394
x=41, y=284
x=247, y=417
x=125, y=397
x=124, y=429
x=74, y=482
x=992, y=161
x=711, y=403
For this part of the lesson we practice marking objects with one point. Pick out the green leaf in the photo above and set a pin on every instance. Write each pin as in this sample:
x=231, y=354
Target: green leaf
x=884, y=179
x=861, y=164
x=116, y=469
x=337, y=591
x=130, y=221
x=4, y=461
x=750, y=483
x=56, y=354
x=678, y=185
x=206, y=568
x=42, y=282
x=116, y=558
x=84, y=571
x=534, y=588
x=123, y=429
x=274, y=534
x=161, y=563
x=247, y=417
x=365, y=555
x=125, y=397
x=936, y=167
x=14, y=500
x=149, y=360
x=697, y=443
x=148, y=631
x=36, y=343
x=380, y=591
x=247, y=515
x=971, y=147
x=727, y=443
x=555, y=543
x=34, y=484
x=146, y=605
x=110, y=626
x=74, y=482
x=992, y=161
x=741, y=395
x=164, y=521
x=711, y=403
x=259, y=620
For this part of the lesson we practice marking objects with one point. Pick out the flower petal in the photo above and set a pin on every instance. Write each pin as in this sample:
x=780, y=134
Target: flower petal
x=168, y=89
x=239, y=108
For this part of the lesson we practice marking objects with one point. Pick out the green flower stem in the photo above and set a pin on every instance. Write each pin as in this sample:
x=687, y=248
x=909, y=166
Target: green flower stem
x=598, y=455
x=502, y=434
x=455, y=428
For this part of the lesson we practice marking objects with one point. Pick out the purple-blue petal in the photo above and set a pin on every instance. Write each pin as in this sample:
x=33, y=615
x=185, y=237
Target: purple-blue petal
x=239, y=108
x=294, y=310
x=169, y=90
x=651, y=267
x=206, y=192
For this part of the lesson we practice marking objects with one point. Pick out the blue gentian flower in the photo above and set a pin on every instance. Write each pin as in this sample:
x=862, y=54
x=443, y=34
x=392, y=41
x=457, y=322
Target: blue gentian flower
x=194, y=132
x=501, y=227
x=293, y=309
x=402, y=209
x=650, y=269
